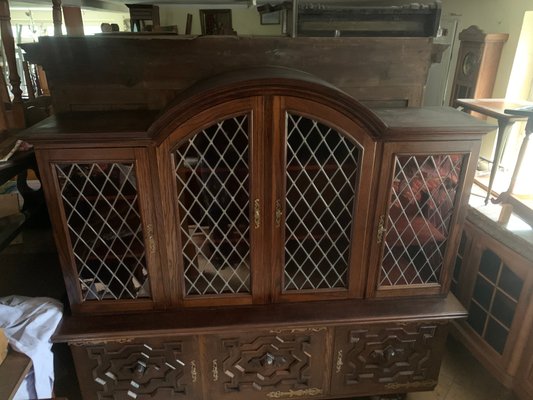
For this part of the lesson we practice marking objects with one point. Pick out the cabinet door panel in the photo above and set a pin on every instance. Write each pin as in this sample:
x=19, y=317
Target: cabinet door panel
x=272, y=364
x=418, y=226
x=210, y=166
x=213, y=179
x=321, y=178
x=108, y=241
x=321, y=203
x=140, y=369
x=370, y=359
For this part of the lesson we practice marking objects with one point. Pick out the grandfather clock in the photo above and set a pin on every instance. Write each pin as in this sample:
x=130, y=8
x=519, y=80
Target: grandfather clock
x=477, y=63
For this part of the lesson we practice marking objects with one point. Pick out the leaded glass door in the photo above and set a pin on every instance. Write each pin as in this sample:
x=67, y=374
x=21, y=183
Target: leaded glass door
x=218, y=204
x=415, y=231
x=321, y=203
x=108, y=244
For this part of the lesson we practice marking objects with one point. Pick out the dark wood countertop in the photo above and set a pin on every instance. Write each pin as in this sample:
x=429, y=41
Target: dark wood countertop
x=193, y=321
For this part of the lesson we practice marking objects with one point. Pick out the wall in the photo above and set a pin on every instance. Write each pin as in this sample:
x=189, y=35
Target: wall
x=245, y=20
x=494, y=16
x=40, y=20
x=515, y=73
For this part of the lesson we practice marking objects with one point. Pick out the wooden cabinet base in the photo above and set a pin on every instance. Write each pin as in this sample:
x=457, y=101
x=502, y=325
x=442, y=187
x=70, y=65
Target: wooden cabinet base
x=271, y=364
x=320, y=359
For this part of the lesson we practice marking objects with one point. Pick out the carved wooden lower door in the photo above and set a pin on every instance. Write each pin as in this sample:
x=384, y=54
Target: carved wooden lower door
x=387, y=358
x=274, y=364
x=151, y=369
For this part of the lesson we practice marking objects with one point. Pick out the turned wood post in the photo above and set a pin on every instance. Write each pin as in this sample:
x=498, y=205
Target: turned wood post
x=14, y=79
x=57, y=16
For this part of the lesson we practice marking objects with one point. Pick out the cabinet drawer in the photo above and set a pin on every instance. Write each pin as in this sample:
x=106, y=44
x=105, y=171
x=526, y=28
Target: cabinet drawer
x=267, y=365
x=387, y=358
x=155, y=369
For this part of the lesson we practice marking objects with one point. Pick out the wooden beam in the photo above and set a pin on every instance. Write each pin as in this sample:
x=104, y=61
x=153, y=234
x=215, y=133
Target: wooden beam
x=73, y=21
x=57, y=16
x=14, y=78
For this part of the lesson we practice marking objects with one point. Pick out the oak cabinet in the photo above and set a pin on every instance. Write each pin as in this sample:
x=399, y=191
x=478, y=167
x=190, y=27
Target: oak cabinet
x=261, y=215
x=494, y=281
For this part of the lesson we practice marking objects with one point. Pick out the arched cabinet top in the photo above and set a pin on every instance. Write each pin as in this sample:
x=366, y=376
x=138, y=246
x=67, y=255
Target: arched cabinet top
x=261, y=82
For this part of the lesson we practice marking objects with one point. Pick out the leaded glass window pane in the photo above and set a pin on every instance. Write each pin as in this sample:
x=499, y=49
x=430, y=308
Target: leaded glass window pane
x=321, y=180
x=104, y=224
x=422, y=203
x=212, y=173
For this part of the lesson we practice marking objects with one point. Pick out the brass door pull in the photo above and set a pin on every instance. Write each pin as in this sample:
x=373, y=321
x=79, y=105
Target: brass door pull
x=257, y=214
x=381, y=229
x=279, y=213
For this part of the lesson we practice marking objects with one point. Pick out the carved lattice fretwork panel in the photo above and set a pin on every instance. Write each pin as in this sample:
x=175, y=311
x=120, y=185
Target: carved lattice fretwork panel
x=140, y=370
x=397, y=358
x=321, y=180
x=423, y=198
x=212, y=173
x=101, y=206
x=274, y=364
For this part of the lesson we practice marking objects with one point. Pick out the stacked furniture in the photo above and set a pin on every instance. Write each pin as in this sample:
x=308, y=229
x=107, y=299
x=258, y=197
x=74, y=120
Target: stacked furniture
x=265, y=236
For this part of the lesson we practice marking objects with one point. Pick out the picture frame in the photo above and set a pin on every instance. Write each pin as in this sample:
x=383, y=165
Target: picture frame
x=216, y=22
x=271, y=18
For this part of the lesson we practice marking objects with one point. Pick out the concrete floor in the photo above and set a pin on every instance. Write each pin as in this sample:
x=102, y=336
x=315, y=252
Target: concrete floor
x=32, y=269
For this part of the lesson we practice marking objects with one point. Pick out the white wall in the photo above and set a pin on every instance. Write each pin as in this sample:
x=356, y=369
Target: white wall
x=41, y=20
x=493, y=16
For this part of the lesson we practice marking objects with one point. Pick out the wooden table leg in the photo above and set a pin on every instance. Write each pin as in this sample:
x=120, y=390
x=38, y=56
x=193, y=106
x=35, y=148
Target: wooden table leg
x=504, y=130
x=502, y=198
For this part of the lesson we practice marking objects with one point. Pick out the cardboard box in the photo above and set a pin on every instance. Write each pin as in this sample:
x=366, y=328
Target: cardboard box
x=3, y=346
x=10, y=203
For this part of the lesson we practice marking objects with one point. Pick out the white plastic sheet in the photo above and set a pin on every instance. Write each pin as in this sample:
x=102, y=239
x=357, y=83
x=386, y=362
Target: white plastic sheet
x=29, y=323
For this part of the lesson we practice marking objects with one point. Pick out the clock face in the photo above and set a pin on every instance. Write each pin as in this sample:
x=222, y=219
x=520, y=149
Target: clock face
x=469, y=63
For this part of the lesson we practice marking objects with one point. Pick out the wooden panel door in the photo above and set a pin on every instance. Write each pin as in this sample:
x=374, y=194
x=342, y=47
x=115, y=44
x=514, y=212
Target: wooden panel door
x=323, y=163
x=497, y=292
x=141, y=369
x=387, y=358
x=268, y=365
x=213, y=197
x=100, y=202
x=421, y=209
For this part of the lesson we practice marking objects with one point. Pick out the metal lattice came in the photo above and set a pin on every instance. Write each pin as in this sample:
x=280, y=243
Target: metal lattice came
x=422, y=201
x=212, y=173
x=101, y=208
x=322, y=176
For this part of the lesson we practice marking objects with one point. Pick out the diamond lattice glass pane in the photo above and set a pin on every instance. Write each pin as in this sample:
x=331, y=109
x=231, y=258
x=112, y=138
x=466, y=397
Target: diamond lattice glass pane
x=213, y=177
x=422, y=201
x=322, y=172
x=101, y=208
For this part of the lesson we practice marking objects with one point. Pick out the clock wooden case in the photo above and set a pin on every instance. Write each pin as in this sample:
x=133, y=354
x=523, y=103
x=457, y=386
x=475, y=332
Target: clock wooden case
x=477, y=64
x=266, y=236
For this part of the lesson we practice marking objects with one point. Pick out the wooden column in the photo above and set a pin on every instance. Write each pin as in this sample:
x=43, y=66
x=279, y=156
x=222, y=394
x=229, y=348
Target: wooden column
x=73, y=21
x=14, y=79
x=57, y=16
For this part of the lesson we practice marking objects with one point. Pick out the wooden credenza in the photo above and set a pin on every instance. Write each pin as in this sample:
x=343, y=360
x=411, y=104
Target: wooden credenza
x=265, y=237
